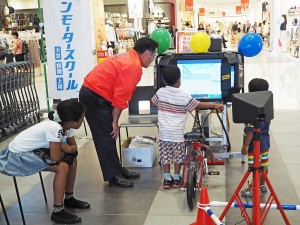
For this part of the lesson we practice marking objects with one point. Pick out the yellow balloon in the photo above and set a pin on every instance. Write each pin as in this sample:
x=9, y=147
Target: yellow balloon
x=200, y=42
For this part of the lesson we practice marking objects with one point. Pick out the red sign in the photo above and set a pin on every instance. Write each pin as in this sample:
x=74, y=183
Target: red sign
x=238, y=9
x=201, y=11
x=245, y=4
x=189, y=6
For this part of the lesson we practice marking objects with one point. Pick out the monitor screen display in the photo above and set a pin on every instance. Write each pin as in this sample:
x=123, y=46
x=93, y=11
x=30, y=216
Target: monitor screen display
x=201, y=78
x=232, y=76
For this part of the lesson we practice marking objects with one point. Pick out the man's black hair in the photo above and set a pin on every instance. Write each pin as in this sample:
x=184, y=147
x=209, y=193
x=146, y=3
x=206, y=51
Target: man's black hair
x=171, y=74
x=258, y=84
x=15, y=33
x=144, y=44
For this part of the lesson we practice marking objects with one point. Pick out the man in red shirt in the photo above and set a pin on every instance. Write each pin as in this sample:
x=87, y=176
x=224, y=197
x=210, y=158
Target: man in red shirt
x=105, y=92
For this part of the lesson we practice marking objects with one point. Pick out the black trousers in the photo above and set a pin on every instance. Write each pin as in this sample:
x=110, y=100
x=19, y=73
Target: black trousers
x=99, y=117
x=19, y=57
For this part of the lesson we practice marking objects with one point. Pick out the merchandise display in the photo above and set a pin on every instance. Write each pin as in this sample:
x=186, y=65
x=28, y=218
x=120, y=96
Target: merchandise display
x=293, y=32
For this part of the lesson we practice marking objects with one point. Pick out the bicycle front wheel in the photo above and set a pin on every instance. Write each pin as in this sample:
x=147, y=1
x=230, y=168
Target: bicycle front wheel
x=190, y=189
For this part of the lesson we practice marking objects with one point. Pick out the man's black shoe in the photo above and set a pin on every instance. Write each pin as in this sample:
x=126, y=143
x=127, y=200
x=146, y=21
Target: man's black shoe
x=75, y=203
x=129, y=175
x=120, y=181
x=65, y=217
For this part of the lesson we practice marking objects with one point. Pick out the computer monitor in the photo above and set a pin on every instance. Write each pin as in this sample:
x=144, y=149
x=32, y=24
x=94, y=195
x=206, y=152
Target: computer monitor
x=206, y=76
x=201, y=78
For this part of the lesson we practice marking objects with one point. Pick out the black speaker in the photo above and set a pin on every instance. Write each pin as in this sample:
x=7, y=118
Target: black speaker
x=215, y=45
x=164, y=61
x=248, y=107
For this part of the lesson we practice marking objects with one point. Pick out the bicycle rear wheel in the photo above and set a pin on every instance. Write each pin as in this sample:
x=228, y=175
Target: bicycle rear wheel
x=190, y=189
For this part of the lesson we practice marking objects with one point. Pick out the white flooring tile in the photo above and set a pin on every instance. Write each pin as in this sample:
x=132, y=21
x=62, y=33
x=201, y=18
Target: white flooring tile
x=293, y=171
x=287, y=140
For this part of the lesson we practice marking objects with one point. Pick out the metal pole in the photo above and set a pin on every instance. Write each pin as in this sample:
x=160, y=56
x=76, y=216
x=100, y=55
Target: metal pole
x=41, y=24
x=249, y=205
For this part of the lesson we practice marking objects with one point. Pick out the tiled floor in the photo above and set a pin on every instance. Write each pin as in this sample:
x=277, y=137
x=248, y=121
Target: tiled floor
x=147, y=203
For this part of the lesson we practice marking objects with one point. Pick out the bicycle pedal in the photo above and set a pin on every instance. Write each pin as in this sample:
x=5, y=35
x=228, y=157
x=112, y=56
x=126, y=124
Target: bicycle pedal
x=213, y=173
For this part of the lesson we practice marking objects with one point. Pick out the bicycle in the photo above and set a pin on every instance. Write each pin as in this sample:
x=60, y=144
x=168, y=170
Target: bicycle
x=195, y=166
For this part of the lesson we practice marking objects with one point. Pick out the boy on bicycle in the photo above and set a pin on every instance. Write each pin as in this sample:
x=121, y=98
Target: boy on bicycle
x=257, y=84
x=173, y=105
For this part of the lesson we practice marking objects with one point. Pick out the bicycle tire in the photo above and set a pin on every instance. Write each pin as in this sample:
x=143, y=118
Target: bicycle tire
x=190, y=189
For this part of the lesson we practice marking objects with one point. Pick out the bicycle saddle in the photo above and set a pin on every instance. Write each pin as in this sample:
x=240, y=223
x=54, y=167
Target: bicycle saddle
x=194, y=135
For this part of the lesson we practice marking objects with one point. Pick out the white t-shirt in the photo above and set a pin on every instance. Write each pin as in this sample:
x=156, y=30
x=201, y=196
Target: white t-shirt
x=259, y=30
x=39, y=136
x=173, y=105
x=110, y=32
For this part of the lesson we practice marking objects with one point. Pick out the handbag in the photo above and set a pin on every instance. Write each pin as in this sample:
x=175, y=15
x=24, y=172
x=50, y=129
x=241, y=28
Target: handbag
x=68, y=157
x=44, y=157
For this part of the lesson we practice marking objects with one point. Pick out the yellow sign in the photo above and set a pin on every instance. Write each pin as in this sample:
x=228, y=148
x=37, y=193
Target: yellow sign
x=226, y=77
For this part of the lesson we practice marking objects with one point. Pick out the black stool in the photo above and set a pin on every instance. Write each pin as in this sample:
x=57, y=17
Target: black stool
x=4, y=211
x=19, y=199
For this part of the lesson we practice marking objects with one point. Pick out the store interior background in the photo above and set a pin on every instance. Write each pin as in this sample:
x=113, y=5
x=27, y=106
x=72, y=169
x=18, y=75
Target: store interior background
x=175, y=14
x=178, y=17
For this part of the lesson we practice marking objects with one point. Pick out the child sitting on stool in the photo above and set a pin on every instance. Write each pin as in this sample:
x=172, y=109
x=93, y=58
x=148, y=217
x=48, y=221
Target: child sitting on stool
x=173, y=105
x=53, y=139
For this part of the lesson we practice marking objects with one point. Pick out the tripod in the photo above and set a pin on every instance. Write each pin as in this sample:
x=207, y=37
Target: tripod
x=258, y=216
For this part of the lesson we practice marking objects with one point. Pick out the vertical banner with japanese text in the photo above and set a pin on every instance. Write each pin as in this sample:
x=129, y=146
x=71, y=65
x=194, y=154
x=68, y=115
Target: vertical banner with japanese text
x=201, y=11
x=70, y=45
x=189, y=5
x=245, y=4
x=238, y=9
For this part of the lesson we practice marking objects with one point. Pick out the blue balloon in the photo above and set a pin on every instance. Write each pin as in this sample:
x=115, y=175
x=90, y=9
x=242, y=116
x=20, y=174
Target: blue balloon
x=250, y=44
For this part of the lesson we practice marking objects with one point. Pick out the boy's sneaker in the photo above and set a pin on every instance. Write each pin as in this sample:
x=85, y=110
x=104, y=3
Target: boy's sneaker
x=64, y=217
x=263, y=188
x=248, y=192
x=177, y=183
x=168, y=183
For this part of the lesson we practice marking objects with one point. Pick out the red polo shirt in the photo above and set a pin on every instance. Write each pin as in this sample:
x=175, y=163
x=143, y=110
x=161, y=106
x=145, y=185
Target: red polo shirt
x=115, y=78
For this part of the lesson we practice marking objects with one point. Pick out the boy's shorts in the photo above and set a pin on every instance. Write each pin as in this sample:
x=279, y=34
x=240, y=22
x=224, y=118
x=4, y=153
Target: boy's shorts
x=263, y=159
x=170, y=152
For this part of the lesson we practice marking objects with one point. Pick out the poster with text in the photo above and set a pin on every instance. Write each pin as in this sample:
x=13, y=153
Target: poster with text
x=70, y=45
x=183, y=41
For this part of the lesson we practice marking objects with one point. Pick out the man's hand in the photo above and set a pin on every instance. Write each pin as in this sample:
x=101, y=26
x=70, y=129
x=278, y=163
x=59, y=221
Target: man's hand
x=115, y=123
x=245, y=149
x=116, y=130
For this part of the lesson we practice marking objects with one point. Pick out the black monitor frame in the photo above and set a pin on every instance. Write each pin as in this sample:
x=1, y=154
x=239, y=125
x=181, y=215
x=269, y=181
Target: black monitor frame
x=228, y=59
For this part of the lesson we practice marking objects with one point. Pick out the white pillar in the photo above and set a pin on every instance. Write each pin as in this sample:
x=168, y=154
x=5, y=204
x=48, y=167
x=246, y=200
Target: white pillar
x=275, y=25
x=178, y=15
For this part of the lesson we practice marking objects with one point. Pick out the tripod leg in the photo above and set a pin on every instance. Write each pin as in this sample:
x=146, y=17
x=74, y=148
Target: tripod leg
x=236, y=196
x=272, y=192
x=256, y=198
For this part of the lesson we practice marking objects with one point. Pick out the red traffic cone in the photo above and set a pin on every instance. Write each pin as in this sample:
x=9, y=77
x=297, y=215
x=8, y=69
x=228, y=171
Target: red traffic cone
x=202, y=217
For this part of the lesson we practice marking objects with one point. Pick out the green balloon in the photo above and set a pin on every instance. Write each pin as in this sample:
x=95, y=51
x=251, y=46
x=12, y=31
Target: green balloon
x=163, y=38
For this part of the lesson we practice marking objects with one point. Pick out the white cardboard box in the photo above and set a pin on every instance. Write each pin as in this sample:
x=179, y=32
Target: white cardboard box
x=138, y=157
